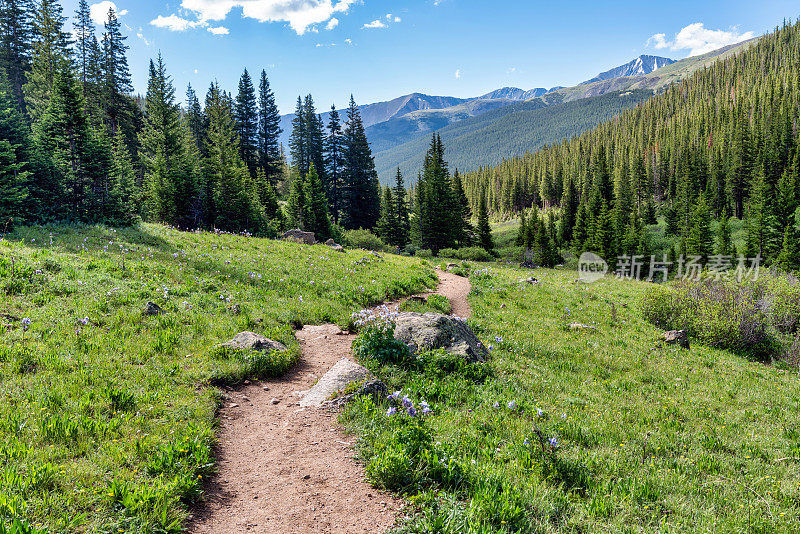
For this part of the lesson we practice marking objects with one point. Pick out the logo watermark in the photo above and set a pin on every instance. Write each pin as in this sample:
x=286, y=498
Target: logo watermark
x=591, y=268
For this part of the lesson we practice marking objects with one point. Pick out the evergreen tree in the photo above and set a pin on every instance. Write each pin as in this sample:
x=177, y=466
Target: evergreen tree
x=50, y=56
x=194, y=117
x=298, y=141
x=699, y=240
x=484, y=230
x=789, y=257
x=387, y=223
x=14, y=173
x=402, y=234
x=172, y=190
x=334, y=164
x=116, y=75
x=270, y=158
x=16, y=33
x=315, y=137
x=462, y=226
x=761, y=229
x=235, y=197
x=724, y=237
x=569, y=208
x=315, y=208
x=246, y=116
x=361, y=192
x=84, y=41
x=438, y=209
x=124, y=196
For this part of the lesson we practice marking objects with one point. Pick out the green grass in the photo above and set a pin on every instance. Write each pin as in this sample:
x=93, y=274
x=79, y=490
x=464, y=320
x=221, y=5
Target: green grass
x=108, y=426
x=650, y=438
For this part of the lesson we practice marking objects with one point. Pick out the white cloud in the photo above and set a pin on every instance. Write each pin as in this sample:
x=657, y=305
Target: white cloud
x=377, y=23
x=699, y=40
x=140, y=35
x=196, y=71
x=220, y=30
x=348, y=41
x=300, y=14
x=99, y=11
x=173, y=23
x=458, y=73
x=332, y=23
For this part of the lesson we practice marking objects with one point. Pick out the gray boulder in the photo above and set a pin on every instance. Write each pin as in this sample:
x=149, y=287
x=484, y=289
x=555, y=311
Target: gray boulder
x=677, y=337
x=334, y=245
x=253, y=341
x=334, y=381
x=151, y=308
x=299, y=236
x=374, y=388
x=430, y=331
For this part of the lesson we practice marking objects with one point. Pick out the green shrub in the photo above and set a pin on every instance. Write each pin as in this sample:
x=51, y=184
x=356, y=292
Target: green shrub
x=363, y=239
x=473, y=254
x=377, y=342
x=425, y=253
x=448, y=253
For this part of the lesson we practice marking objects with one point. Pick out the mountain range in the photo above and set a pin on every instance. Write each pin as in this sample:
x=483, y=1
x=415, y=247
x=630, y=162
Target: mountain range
x=509, y=121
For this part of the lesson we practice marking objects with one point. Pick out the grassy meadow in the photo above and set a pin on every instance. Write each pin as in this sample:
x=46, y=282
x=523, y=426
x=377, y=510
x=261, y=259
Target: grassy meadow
x=107, y=416
x=604, y=430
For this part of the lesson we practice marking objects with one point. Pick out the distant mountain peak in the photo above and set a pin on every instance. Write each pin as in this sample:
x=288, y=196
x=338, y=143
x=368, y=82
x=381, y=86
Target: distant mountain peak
x=640, y=66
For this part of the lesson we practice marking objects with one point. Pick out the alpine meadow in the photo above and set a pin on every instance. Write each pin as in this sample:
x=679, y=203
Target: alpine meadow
x=231, y=304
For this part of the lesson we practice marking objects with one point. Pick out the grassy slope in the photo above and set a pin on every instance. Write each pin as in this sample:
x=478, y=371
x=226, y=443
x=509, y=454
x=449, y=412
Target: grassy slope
x=650, y=437
x=112, y=420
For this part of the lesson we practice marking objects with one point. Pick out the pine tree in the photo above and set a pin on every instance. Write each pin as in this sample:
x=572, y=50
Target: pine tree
x=235, y=198
x=315, y=208
x=84, y=40
x=438, y=209
x=484, y=230
x=761, y=231
x=298, y=141
x=116, y=75
x=789, y=257
x=124, y=196
x=270, y=158
x=194, y=117
x=462, y=226
x=569, y=208
x=334, y=164
x=315, y=137
x=16, y=33
x=699, y=240
x=246, y=116
x=361, y=192
x=387, y=223
x=50, y=56
x=14, y=173
x=402, y=215
x=724, y=237
x=297, y=201
x=64, y=134
x=172, y=191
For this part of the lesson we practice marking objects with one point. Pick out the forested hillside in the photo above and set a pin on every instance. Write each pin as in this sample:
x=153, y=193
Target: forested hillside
x=722, y=143
x=506, y=132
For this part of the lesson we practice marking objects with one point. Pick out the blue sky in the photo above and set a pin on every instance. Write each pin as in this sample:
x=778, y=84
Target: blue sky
x=379, y=49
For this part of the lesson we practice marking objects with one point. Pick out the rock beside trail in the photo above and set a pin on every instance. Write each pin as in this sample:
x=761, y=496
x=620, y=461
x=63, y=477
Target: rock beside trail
x=430, y=331
x=581, y=326
x=335, y=380
x=299, y=236
x=374, y=388
x=677, y=337
x=151, y=308
x=253, y=341
x=334, y=245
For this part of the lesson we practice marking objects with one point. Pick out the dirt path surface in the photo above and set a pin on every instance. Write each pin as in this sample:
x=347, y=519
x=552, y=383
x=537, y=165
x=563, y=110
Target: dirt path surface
x=287, y=469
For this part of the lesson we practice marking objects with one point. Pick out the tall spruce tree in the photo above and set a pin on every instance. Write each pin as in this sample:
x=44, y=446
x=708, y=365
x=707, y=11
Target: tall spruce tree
x=83, y=27
x=171, y=183
x=50, y=56
x=315, y=208
x=438, y=211
x=298, y=140
x=116, y=75
x=195, y=119
x=269, y=132
x=334, y=164
x=16, y=34
x=14, y=168
x=361, y=198
x=484, y=230
x=246, y=115
x=387, y=223
x=402, y=211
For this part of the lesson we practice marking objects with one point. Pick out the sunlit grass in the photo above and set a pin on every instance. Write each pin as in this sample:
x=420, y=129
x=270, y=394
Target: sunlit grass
x=107, y=415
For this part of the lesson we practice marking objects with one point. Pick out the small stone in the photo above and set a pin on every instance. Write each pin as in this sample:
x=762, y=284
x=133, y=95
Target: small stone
x=234, y=405
x=677, y=337
x=274, y=401
x=266, y=388
x=151, y=308
x=306, y=477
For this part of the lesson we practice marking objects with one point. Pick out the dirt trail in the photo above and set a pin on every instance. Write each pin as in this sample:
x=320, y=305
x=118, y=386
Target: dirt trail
x=285, y=469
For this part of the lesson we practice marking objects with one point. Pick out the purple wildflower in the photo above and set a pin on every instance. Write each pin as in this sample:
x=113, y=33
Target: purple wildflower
x=25, y=324
x=412, y=411
x=407, y=402
x=553, y=442
x=391, y=411
x=512, y=405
